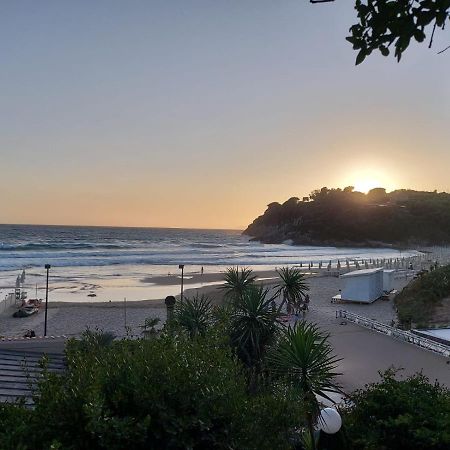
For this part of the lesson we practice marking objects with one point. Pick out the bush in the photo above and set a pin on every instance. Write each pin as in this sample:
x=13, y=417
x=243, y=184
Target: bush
x=394, y=414
x=417, y=301
x=166, y=393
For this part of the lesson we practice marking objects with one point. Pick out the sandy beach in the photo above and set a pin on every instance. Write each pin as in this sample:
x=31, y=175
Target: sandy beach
x=364, y=352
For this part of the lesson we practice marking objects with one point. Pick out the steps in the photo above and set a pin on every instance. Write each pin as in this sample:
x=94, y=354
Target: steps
x=20, y=369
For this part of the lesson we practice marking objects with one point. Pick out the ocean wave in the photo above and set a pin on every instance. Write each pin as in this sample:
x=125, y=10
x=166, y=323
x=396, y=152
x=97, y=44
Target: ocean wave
x=31, y=246
x=58, y=246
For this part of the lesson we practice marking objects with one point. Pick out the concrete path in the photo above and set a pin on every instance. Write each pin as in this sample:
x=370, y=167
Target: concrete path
x=365, y=352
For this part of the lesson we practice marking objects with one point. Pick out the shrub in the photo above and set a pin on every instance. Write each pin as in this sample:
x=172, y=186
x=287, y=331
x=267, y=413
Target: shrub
x=400, y=414
x=171, y=392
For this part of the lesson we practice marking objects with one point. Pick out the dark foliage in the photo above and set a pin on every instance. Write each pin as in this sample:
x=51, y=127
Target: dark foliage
x=171, y=392
x=409, y=415
x=417, y=301
x=390, y=25
x=346, y=217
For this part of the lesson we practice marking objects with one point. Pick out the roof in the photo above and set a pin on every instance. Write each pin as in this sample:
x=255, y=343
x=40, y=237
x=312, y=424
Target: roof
x=363, y=272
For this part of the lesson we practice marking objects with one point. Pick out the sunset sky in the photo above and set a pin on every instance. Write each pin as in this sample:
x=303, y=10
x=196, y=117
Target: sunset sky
x=198, y=113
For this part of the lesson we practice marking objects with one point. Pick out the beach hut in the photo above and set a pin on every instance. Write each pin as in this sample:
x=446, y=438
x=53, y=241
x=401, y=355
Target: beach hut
x=388, y=280
x=363, y=286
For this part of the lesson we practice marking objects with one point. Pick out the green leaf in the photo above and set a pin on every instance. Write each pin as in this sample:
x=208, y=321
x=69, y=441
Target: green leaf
x=361, y=57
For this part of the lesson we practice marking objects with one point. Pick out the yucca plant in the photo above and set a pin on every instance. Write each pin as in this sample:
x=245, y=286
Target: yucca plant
x=304, y=357
x=148, y=328
x=237, y=282
x=292, y=286
x=194, y=315
x=253, y=325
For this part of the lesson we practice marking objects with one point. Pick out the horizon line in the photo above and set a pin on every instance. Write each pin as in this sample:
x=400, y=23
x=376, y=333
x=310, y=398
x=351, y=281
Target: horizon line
x=119, y=226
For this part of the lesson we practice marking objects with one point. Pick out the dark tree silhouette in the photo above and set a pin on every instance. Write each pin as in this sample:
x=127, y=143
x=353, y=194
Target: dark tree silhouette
x=390, y=26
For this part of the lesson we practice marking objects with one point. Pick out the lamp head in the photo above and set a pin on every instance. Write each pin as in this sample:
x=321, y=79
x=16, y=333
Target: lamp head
x=47, y=266
x=330, y=421
x=181, y=266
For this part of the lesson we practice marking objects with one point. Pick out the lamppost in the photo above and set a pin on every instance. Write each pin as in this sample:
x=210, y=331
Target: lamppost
x=47, y=268
x=181, y=266
x=330, y=421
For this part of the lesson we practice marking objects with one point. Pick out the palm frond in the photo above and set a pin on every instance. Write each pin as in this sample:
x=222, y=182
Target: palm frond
x=253, y=324
x=194, y=315
x=292, y=286
x=237, y=281
x=305, y=358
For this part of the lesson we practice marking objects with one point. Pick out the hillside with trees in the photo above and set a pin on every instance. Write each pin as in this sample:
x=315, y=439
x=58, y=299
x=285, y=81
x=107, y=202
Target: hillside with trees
x=345, y=217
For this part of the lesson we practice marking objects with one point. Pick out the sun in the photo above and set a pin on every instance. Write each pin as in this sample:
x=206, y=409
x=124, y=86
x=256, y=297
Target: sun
x=369, y=176
x=366, y=184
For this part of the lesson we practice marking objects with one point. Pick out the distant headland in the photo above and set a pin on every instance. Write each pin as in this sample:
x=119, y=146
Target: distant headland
x=345, y=217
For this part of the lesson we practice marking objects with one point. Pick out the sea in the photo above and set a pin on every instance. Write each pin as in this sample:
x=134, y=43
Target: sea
x=90, y=257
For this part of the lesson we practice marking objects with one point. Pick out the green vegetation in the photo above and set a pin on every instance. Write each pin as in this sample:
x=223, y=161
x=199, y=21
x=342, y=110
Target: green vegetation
x=346, y=217
x=194, y=315
x=418, y=300
x=237, y=282
x=170, y=392
x=383, y=24
x=411, y=415
x=292, y=286
x=304, y=356
x=253, y=326
x=148, y=329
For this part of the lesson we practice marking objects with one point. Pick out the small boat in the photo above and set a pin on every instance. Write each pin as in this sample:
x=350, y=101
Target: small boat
x=28, y=308
x=26, y=311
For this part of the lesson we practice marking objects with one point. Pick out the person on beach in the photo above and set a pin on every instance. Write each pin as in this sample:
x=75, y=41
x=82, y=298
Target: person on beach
x=201, y=271
x=306, y=303
x=304, y=309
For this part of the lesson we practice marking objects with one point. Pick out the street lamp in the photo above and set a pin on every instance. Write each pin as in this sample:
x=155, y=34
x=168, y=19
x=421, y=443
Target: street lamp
x=181, y=266
x=47, y=268
x=330, y=421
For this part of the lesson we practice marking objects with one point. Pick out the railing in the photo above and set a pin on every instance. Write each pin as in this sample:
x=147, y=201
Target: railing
x=406, y=336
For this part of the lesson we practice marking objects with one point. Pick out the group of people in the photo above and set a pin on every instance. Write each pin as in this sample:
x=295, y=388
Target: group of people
x=299, y=308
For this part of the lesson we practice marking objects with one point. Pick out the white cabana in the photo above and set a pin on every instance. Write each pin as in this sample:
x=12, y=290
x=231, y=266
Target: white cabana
x=388, y=280
x=363, y=286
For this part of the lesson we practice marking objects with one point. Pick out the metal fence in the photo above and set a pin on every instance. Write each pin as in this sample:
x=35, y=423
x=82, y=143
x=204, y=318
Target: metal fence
x=406, y=336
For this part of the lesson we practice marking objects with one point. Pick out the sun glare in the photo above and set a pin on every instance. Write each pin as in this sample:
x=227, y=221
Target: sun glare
x=365, y=185
x=366, y=178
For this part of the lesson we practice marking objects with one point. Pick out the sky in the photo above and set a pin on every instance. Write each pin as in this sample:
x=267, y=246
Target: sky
x=199, y=113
